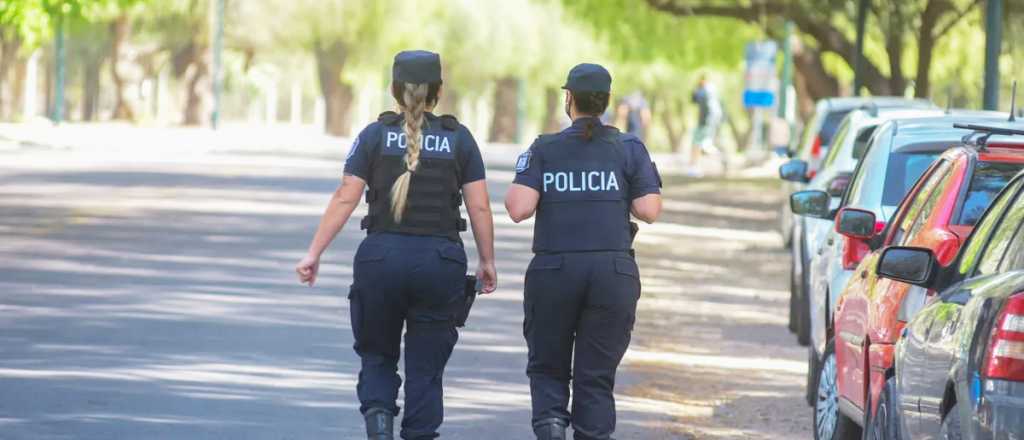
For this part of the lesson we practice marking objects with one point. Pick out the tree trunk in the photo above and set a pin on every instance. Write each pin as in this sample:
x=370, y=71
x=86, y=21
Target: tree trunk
x=925, y=49
x=10, y=43
x=449, y=102
x=120, y=29
x=196, y=76
x=672, y=119
x=894, y=48
x=90, y=89
x=553, y=108
x=338, y=96
x=48, y=81
x=506, y=102
x=812, y=80
x=17, y=101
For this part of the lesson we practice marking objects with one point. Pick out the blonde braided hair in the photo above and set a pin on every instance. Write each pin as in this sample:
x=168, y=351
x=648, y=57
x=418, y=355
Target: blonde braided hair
x=413, y=104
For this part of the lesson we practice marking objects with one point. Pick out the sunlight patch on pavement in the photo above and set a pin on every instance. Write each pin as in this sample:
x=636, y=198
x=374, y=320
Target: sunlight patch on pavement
x=708, y=311
x=656, y=406
x=663, y=285
x=685, y=207
x=718, y=362
x=668, y=229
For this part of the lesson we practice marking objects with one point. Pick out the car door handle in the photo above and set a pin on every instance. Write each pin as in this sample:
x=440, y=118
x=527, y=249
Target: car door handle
x=831, y=241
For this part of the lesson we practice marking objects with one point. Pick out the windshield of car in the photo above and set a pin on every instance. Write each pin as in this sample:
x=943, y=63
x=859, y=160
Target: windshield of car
x=903, y=171
x=831, y=124
x=989, y=178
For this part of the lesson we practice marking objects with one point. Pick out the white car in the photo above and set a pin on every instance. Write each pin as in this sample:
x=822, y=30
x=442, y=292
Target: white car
x=849, y=142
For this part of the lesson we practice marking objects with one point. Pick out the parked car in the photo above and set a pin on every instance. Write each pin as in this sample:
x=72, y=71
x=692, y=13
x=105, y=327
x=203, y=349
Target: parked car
x=834, y=174
x=959, y=367
x=937, y=214
x=818, y=134
x=896, y=156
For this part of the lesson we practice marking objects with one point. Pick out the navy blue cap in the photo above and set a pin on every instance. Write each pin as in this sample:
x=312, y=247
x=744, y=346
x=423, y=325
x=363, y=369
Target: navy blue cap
x=589, y=77
x=417, y=67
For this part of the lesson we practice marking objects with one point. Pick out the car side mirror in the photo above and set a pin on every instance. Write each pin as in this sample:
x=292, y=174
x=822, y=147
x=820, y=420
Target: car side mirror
x=907, y=264
x=794, y=171
x=837, y=186
x=812, y=203
x=855, y=223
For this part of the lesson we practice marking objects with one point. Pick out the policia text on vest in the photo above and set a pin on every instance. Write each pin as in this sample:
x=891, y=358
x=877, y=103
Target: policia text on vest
x=581, y=181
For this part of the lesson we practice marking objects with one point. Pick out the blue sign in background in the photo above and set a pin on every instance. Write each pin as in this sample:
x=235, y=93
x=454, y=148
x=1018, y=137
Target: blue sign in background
x=760, y=74
x=758, y=98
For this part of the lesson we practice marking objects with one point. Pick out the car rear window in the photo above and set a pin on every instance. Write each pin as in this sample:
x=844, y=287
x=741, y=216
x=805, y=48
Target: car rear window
x=831, y=124
x=903, y=171
x=989, y=178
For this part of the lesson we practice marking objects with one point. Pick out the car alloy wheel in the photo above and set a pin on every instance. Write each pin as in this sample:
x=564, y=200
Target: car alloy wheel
x=884, y=425
x=826, y=407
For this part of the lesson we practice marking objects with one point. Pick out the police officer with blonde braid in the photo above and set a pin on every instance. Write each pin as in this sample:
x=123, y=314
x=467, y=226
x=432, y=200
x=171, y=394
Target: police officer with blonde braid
x=410, y=270
x=583, y=283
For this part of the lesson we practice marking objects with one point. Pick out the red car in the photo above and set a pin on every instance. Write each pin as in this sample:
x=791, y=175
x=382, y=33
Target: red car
x=938, y=214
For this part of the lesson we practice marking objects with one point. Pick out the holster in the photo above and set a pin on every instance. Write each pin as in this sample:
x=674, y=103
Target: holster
x=634, y=228
x=470, y=291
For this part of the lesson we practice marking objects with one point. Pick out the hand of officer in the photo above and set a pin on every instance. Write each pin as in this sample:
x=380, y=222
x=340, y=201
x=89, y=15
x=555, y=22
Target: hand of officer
x=488, y=277
x=307, y=269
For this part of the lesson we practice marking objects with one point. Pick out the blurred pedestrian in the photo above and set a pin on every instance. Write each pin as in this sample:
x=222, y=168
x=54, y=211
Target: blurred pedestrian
x=635, y=114
x=410, y=270
x=709, y=119
x=583, y=283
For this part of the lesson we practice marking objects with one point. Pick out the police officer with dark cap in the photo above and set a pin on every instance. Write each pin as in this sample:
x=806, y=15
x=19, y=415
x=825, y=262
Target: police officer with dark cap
x=417, y=169
x=583, y=283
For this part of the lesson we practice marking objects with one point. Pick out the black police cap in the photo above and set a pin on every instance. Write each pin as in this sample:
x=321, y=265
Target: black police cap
x=589, y=77
x=417, y=67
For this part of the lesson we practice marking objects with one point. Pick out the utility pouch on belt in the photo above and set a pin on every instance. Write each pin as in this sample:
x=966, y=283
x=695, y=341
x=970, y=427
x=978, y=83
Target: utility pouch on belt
x=470, y=290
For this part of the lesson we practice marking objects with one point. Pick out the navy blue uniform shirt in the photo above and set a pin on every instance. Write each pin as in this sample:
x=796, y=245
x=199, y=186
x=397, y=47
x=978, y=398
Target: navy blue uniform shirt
x=641, y=177
x=376, y=140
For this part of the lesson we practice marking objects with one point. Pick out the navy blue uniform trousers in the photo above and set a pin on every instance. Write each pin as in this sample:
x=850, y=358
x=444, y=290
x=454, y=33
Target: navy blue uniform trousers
x=580, y=309
x=416, y=282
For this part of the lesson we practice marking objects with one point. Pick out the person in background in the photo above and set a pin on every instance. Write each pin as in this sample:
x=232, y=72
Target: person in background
x=709, y=119
x=634, y=113
x=583, y=284
x=410, y=271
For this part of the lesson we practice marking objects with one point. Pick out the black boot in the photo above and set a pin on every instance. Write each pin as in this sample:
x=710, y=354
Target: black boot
x=550, y=429
x=380, y=424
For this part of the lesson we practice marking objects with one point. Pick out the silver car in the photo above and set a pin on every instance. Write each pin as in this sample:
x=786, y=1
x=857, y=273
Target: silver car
x=817, y=136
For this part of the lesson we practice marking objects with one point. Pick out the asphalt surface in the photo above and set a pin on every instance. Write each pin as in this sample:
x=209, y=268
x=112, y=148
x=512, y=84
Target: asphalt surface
x=151, y=295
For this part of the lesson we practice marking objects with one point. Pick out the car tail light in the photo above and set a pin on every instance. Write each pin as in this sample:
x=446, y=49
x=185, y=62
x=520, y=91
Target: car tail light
x=816, y=147
x=1006, y=346
x=879, y=226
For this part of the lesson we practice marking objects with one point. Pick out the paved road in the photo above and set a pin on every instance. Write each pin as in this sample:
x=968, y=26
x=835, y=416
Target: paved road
x=151, y=296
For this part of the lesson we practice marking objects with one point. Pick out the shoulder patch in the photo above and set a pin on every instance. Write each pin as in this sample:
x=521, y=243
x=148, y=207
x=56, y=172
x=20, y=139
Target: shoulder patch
x=523, y=163
x=389, y=118
x=448, y=122
x=352, y=151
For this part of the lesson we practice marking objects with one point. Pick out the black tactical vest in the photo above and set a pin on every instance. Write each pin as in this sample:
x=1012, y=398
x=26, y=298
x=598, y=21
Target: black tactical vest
x=584, y=204
x=434, y=191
